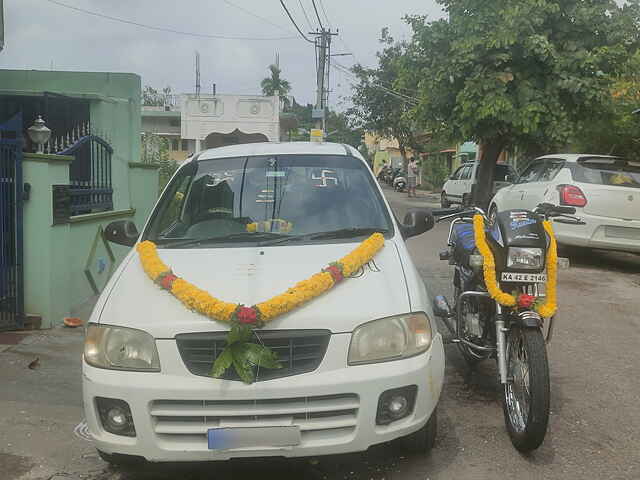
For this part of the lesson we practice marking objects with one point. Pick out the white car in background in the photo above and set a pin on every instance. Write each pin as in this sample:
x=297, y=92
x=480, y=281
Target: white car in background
x=457, y=188
x=604, y=190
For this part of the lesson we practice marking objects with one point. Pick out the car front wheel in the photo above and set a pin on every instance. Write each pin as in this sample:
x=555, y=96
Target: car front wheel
x=443, y=200
x=423, y=440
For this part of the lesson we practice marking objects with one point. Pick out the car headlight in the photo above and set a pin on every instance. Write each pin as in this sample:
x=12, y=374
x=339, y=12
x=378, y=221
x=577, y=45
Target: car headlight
x=525, y=258
x=119, y=348
x=390, y=338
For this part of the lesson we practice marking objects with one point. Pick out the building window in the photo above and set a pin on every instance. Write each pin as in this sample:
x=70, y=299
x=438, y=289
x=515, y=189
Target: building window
x=175, y=144
x=185, y=145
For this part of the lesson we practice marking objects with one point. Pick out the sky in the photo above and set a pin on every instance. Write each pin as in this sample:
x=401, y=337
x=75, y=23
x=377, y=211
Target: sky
x=41, y=35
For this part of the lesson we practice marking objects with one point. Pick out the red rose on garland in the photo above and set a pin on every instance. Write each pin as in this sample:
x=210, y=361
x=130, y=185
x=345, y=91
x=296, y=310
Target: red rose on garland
x=335, y=272
x=167, y=281
x=247, y=315
x=526, y=301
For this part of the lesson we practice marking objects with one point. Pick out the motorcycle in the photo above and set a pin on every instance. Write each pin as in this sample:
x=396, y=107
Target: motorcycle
x=504, y=288
x=400, y=183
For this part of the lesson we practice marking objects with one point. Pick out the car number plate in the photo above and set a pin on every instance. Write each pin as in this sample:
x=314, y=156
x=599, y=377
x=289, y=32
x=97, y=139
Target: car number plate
x=253, y=437
x=524, y=277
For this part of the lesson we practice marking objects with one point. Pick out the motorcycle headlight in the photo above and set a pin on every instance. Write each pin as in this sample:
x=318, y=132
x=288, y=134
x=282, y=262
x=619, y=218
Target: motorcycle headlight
x=391, y=338
x=525, y=258
x=119, y=348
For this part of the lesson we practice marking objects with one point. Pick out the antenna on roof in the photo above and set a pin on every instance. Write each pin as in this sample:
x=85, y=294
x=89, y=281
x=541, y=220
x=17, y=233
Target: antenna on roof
x=197, y=74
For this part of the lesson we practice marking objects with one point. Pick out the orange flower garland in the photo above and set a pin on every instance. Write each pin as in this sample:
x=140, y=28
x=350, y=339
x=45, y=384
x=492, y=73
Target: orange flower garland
x=547, y=309
x=202, y=302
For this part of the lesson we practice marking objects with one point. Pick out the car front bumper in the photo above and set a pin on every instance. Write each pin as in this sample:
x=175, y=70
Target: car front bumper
x=335, y=406
x=600, y=232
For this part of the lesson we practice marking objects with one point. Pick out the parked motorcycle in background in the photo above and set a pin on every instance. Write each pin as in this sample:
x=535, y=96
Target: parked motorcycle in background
x=505, y=291
x=400, y=183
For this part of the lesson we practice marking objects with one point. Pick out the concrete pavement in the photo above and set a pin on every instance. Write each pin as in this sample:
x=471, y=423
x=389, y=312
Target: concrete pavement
x=593, y=433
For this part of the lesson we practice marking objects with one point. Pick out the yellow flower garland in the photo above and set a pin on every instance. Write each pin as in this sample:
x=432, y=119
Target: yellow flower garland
x=202, y=302
x=547, y=309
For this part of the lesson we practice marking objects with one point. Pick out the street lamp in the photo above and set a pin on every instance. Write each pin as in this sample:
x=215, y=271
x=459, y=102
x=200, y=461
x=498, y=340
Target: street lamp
x=39, y=134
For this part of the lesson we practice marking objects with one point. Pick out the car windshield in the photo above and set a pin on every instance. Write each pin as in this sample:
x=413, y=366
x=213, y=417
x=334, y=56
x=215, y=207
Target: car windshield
x=268, y=199
x=608, y=171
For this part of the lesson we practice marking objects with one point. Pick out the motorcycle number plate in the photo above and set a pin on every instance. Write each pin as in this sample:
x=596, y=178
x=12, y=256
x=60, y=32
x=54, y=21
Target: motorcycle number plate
x=524, y=277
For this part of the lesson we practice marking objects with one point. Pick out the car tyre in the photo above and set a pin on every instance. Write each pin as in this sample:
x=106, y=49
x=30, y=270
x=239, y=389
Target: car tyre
x=422, y=441
x=443, y=200
x=119, y=460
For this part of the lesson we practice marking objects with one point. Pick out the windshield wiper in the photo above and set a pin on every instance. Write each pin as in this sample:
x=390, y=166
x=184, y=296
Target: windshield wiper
x=329, y=234
x=234, y=237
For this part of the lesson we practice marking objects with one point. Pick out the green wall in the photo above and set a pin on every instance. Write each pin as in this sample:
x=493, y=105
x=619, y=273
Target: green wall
x=64, y=264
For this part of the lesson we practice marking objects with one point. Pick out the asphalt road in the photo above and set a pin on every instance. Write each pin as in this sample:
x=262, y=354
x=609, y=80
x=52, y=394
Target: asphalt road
x=594, y=431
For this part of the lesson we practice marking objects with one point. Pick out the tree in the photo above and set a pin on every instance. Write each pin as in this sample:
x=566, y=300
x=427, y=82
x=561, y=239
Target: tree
x=274, y=85
x=154, y=98
x=377, y=107
x=155, y=150
x=525, y=72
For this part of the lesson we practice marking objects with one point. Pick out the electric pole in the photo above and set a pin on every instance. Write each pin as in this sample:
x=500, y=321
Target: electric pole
x=323, y=52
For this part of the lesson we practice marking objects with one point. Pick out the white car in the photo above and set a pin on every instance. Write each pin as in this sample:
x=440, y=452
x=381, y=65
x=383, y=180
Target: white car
x=458, y=188
x=604, y=190
x=362, y=364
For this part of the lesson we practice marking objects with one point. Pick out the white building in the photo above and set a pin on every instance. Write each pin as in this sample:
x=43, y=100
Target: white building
x=195, y=122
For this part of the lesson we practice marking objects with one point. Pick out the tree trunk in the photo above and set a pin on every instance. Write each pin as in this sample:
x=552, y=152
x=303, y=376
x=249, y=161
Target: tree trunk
x=483, y=187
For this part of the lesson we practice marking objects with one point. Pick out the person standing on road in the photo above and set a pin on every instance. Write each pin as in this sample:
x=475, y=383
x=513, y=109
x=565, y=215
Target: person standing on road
x=412, y=177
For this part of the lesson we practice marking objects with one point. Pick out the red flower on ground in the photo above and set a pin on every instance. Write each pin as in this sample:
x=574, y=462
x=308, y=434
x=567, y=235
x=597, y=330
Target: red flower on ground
x=526, y=301
x=247, y=315
x=335, y=273
x=167, y=281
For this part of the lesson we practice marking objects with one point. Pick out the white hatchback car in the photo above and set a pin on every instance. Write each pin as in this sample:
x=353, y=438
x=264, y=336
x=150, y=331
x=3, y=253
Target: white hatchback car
x=604, y=190
x=458, y=188
x=360, y=365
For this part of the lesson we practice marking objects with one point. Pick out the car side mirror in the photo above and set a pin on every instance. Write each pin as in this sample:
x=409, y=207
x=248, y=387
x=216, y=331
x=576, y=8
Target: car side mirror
x=122, y=232
x=416, y=222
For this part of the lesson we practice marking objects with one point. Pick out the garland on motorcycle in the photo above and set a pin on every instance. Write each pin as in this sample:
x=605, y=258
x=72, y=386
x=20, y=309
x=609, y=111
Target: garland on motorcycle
x=504, y=287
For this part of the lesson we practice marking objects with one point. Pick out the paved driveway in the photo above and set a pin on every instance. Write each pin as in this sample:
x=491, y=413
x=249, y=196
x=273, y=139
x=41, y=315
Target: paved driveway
x=594, y=431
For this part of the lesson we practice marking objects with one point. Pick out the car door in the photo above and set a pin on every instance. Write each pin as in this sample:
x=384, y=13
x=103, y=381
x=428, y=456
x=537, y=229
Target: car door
x=464, y=184
x=535, y=192
x=513, y=196
x=451, y=187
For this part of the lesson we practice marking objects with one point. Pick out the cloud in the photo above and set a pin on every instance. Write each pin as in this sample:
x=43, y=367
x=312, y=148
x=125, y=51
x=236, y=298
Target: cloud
x=39, y=33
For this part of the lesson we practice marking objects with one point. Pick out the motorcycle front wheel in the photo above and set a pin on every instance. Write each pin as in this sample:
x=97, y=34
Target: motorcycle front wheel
x=526, y=395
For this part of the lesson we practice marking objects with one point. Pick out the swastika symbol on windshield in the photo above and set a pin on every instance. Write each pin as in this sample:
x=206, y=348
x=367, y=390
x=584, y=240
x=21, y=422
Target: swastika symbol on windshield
x=325, y=177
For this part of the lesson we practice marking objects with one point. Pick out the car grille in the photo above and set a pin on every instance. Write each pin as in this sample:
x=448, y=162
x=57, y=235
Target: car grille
x=183, y=424
x=299, y=351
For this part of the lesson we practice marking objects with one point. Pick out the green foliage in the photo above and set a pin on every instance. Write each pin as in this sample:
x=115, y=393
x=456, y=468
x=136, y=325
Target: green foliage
x=375, y=107
x=275, y=85
x=155, y=150
x=338, y=126
x=525, y=72
x=154, y=98
x=243, y=354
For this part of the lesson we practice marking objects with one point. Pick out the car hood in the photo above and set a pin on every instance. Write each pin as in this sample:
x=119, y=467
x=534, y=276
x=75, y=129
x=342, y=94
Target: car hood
x=253, y=275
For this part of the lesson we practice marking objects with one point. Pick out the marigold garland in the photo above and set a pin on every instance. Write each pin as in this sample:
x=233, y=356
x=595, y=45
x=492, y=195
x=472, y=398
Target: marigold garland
x=549, y=307
x=202, y=302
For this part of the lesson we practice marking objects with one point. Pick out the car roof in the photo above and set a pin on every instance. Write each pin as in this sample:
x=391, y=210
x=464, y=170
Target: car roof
x=574, y=157
x=277, y=148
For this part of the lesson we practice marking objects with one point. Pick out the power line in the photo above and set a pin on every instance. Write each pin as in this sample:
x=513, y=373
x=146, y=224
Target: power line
x=162, y=29
x=304, y=12
x=313, y=2
x=400, y=96
x=249, y=12
x=325, y=14
x=294, y=22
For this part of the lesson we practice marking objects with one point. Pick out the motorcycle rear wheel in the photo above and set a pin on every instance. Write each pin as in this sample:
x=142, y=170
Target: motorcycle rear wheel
x=526, y=397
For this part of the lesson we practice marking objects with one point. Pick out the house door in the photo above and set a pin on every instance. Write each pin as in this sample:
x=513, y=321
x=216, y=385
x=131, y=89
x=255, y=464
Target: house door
x=11, y=280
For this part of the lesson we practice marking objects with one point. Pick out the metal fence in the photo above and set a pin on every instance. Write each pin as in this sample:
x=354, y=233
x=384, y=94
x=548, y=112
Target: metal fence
x=11, y=277
x=90, y=175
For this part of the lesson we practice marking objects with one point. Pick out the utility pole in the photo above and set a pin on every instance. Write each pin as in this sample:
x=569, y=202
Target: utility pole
x=323, y=52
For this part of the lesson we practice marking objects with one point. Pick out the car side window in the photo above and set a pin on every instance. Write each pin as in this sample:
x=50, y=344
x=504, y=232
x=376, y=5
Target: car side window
x=550, y=170
x=532, y=172
x=456, y=175
x=466, y=173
